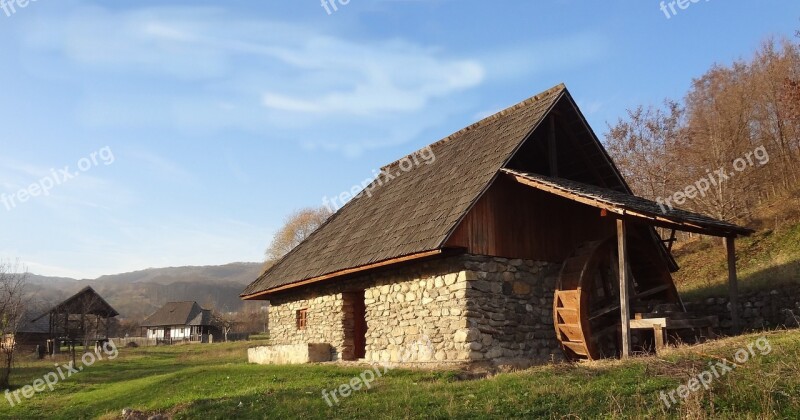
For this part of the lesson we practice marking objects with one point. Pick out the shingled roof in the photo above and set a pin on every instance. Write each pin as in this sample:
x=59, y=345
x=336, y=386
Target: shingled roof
x=416, y=211
x=87, y=301
x=414, y=215
x=179, y=313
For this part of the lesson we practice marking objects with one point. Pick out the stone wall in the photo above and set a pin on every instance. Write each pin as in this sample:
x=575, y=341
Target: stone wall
x=415, y=306
x=767, y=309
x=510, y=311
x=469, y=308
x=324, y=321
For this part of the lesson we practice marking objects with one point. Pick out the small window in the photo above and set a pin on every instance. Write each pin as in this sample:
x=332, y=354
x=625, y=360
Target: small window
x=302, y=319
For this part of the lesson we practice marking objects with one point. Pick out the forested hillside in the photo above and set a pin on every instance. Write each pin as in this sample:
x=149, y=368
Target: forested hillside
x=729, y=148
x=731, y=144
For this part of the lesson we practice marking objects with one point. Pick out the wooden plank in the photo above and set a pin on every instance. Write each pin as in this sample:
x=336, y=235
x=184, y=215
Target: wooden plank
x=604, y=311
x=578, y=348
x=733, y=282
x=624, y=289
x=673, y=324
x=571, y=331
x=567, y=315
x=645, y=324
x=569, y=298
x=653, y=291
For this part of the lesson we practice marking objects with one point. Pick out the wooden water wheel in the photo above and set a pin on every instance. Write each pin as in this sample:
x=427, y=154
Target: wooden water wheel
x=586, y=304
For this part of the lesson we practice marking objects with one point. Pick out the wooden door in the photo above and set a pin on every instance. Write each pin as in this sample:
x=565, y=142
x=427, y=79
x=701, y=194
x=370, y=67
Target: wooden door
x=360, y=326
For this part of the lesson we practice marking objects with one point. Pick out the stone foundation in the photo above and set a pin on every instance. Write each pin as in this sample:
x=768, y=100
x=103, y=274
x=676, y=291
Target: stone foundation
x=289, y=354
x=467, y=308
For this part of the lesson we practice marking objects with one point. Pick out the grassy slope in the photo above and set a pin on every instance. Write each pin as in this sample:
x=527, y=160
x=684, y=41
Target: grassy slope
x=768, y=258
x=211, y=381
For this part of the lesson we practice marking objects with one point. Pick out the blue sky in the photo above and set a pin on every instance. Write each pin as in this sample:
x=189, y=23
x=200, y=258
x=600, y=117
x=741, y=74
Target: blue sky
x=223, y=117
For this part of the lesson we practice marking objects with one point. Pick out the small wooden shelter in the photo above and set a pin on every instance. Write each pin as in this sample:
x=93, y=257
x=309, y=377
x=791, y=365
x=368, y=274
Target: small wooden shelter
x=83, y=318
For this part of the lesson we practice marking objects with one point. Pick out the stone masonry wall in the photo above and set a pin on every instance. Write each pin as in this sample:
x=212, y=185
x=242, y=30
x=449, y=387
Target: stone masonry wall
x=413, y=307
x=510, y=311
x=472, y=309
x=324, y=321
x=415, y=303
x=766, y=309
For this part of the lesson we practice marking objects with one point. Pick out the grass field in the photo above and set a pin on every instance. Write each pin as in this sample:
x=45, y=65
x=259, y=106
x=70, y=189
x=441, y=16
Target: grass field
x=213, y=381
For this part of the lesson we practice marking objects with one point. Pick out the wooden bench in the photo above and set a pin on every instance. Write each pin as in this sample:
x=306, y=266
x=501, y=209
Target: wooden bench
x=661, y=323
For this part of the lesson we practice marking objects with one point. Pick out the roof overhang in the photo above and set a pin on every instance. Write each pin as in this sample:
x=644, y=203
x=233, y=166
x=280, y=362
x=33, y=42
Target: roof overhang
x=263, y=295
x=626, y=206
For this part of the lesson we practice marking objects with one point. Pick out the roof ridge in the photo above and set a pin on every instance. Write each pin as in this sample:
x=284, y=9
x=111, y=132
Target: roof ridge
x=486, y=120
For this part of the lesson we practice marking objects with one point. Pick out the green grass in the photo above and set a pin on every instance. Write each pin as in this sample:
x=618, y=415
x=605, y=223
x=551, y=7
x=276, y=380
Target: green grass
x=766, y=260
x=213, y=381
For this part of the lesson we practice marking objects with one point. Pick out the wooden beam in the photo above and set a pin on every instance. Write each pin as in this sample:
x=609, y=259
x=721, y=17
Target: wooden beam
x=671, y=240
x=624, y=290
x=552, y=148
x=392, y=261
x=733, y=282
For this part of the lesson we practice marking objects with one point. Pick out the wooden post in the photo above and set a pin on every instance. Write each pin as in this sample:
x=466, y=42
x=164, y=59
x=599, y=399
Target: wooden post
x=661, y=342
x=624, y=299
x=733, y=282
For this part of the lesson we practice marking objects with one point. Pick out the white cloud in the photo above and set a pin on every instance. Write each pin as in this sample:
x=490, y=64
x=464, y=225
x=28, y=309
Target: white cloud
x=200, y=69
x=284, y=79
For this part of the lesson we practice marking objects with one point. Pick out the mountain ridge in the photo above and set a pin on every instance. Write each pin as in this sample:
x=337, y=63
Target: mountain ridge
x=136, y=294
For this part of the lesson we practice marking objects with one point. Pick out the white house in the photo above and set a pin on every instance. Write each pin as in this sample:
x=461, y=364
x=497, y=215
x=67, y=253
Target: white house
x=180, y=321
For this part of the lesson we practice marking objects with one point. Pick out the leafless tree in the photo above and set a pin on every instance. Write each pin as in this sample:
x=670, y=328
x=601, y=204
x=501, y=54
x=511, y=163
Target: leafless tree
x=13, y=281
x=644, y=147
x=225, y=321
x=299, y=225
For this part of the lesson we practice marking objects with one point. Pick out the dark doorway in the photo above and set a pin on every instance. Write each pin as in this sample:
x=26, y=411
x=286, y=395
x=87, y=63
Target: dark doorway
x=355, y=300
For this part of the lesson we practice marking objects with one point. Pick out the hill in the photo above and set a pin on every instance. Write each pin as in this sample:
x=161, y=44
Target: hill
x=139, y=293
x=769, y=258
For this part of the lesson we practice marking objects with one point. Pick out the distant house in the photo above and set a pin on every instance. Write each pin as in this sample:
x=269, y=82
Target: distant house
x=180, y=321
x=30, y=332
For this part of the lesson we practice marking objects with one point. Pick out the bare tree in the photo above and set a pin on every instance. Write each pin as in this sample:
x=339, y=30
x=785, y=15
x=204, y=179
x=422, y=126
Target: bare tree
x=12, y=306
x=299, y=225
x=644, y=148
x=225, y=321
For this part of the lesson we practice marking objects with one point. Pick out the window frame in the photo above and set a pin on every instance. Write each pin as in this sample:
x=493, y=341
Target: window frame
x=301, y=319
